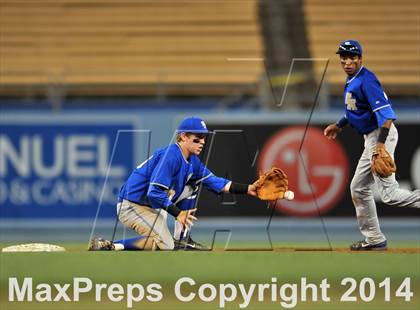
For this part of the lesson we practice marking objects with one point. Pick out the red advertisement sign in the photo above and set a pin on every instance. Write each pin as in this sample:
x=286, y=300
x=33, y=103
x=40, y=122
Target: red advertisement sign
x=317, y=168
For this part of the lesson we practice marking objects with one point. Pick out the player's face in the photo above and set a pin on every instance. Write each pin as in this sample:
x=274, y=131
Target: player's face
x=350, y=63
x=195, y=143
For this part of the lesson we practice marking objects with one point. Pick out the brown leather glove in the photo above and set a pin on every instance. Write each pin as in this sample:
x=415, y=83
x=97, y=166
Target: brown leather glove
x=272, y=184
x=382, y=163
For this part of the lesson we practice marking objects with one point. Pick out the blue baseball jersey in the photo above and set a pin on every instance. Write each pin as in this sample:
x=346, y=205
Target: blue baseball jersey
x=367, y=105
x=159, y=181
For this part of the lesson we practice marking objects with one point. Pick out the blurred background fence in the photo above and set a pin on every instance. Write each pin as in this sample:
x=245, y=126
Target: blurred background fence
x=67, y=48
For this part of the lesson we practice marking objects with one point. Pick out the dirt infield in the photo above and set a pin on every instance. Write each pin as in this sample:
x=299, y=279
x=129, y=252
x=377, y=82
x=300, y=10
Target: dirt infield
x=346, y=250
x=390, y=250
x=402, y=250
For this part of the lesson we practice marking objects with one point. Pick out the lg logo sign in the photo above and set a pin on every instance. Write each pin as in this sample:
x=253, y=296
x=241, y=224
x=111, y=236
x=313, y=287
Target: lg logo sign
x=318, y=172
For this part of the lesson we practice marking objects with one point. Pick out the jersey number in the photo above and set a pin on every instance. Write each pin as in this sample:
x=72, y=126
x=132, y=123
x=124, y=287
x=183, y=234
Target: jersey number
x=350, y=102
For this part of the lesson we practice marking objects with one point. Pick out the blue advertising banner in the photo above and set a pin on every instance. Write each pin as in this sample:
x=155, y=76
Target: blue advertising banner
x=61, y=168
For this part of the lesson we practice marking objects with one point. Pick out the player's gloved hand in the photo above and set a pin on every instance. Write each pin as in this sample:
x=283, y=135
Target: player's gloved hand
x=382, y=163
x=331, y=131
x=272, y=184
x=186, y=217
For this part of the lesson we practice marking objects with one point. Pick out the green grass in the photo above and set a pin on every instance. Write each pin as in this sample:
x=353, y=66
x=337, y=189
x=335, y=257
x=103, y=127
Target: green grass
x=214, y=267
x=219, y=245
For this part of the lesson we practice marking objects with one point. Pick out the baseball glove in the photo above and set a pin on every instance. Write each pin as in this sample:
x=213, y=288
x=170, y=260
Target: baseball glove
x=272, y=184
x=382, y=163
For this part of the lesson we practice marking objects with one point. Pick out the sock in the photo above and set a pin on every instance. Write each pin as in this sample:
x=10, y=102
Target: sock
x=128, y=244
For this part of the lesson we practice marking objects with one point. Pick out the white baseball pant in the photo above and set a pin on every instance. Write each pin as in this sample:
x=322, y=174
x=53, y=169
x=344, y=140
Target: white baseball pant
x=147, y=222
x=390, y=193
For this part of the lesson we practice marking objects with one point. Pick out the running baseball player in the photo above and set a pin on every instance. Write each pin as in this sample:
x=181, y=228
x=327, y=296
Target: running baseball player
x=369, y=111
x=165, y=183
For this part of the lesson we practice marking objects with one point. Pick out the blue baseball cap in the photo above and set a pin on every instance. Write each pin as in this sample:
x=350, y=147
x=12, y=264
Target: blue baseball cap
x=193, y=124
x=350, y=47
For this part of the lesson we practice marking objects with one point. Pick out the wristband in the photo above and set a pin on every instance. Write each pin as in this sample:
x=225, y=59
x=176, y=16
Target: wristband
x=238, y=188
x=383, y=134
x=342, y=122
x=173, y=210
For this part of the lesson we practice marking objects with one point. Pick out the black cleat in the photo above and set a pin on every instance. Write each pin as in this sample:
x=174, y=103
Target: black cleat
x=100, y=244
x=188, y=244
x=364, y=246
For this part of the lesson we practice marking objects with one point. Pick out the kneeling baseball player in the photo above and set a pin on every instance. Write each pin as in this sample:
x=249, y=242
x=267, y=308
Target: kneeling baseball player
x=165, y=183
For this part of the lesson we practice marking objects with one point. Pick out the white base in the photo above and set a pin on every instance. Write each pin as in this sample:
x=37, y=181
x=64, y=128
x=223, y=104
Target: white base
x=34, y=247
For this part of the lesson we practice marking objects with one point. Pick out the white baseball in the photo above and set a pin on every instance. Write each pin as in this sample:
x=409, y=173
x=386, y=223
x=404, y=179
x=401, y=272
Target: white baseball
x=289, y=195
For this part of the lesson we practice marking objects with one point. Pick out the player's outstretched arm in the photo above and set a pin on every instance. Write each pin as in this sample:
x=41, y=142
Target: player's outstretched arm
x=238, y=188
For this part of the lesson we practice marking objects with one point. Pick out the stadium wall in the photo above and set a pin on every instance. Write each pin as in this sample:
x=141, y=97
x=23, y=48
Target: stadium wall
x=66, y=165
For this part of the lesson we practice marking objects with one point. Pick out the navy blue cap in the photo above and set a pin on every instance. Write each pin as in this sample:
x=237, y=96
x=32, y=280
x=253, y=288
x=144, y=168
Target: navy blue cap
x=350, y=47
x=193, y=124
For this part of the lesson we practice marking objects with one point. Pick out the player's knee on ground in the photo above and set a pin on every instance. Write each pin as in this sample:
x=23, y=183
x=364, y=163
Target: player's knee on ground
x=149, y=244
x=155, y=242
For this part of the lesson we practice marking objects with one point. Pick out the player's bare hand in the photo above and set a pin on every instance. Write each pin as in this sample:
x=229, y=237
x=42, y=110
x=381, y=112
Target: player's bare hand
x=252, y=190
x=331, y=131
x=186, y=217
